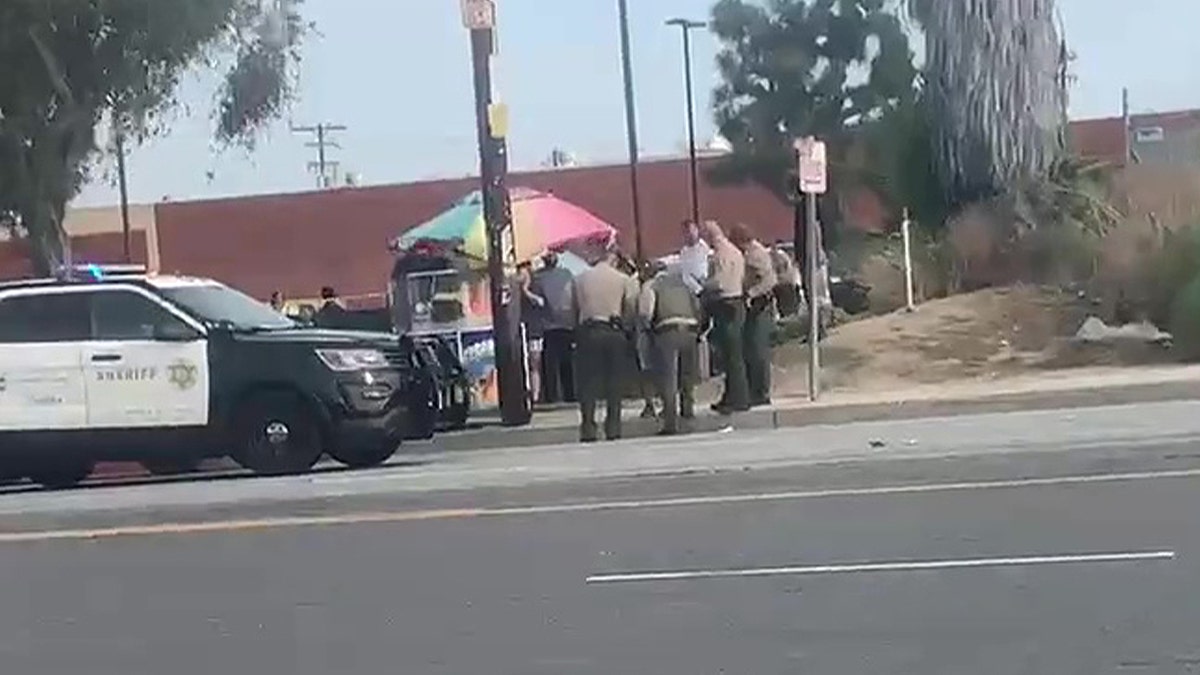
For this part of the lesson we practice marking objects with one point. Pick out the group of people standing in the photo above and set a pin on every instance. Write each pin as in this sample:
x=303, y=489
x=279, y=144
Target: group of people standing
x=724, y=284
x=741, y=299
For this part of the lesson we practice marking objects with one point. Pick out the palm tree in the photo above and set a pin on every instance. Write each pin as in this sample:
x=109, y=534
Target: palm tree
x=996, y=84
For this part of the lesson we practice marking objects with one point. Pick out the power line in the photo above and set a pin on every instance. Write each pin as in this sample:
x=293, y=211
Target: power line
x=324, y=168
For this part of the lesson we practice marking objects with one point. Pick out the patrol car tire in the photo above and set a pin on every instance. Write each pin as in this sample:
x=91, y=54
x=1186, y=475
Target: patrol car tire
x=365, y=457
x=61, y=475
x=276, y=434
x=457, y=417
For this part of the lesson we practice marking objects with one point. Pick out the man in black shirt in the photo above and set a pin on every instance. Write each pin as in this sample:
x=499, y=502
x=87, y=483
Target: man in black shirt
x=553, y=286
x=332, y=314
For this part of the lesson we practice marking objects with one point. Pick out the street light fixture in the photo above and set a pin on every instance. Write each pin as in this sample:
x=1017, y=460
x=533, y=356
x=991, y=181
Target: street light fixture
x=686, y=26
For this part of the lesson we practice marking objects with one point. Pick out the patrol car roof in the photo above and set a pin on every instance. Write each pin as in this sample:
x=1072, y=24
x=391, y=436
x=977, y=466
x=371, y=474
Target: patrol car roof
x=152, y=280
x=176, y=281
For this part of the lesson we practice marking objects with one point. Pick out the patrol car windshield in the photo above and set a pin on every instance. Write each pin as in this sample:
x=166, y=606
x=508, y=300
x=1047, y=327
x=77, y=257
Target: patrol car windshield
x=223, y=306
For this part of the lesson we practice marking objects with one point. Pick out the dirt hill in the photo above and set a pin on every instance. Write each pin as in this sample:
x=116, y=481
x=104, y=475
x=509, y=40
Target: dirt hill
x=985, y=335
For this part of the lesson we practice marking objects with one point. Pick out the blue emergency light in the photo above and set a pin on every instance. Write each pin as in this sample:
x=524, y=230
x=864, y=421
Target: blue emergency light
x=97, y=272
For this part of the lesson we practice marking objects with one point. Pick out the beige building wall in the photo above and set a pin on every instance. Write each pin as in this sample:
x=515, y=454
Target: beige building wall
x=83, y=222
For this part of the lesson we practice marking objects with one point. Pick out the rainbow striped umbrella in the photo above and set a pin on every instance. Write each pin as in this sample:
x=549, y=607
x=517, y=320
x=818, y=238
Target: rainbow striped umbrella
x=541, y=222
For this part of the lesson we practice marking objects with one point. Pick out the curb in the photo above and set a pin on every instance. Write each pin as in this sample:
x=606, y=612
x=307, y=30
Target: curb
x=999, y=403
x=496, y=438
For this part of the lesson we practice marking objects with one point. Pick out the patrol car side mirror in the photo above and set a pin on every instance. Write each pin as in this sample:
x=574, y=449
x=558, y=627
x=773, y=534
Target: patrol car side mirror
x=175, y=331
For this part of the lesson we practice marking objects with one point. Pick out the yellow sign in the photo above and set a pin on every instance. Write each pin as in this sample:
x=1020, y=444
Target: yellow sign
x=498, y=120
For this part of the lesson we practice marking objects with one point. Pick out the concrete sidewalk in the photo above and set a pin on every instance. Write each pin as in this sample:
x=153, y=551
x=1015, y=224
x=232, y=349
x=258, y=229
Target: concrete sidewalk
x=1075, y=388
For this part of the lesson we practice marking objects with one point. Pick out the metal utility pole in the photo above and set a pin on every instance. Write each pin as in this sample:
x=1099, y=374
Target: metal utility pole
x=814, y=301
x=631, y=124
x=123, y=187
x=685, y=27
x=813, y=181
x=323, y=165
x=479, y=16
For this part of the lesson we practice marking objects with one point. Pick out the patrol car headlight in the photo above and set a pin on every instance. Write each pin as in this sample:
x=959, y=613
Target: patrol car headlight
x=347, y=360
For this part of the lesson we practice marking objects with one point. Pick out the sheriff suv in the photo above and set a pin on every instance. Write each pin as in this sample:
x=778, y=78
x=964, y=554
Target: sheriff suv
x=110, y=365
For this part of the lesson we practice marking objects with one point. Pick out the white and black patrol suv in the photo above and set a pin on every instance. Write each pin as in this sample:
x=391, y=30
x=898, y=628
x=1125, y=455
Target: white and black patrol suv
x=107, y=365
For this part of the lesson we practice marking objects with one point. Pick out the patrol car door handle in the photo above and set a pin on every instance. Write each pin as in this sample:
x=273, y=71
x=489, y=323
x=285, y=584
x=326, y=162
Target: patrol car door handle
x=106, y=358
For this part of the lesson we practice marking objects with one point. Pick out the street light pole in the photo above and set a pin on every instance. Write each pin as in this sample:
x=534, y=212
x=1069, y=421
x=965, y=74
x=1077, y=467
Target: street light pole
x=685, y=27
x=123, y=187
x=509, y=348
x=631, y=124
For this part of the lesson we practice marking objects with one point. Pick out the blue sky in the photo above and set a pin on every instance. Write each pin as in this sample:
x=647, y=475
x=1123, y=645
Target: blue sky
x=397, y=73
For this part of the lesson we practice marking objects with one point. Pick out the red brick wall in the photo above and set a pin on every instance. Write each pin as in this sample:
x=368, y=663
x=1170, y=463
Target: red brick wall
x=297, y=243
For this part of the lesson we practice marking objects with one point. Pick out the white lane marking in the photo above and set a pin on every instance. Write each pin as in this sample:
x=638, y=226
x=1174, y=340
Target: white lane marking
x=898, y=566
x=710, y=500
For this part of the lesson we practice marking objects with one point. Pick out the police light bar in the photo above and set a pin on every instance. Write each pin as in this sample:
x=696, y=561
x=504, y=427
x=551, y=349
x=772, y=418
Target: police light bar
x=98, y=271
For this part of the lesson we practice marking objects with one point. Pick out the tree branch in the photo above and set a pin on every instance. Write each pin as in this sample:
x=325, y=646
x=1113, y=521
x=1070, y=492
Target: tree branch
x=58, y=78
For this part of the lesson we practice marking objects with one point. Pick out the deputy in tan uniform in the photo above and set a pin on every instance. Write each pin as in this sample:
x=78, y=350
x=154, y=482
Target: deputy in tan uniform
x=760, y=312
x=724, y=291
x=670, y=311
x=604, y=303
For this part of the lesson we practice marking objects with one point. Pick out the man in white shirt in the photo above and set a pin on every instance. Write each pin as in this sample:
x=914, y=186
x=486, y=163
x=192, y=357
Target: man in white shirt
x=693, y=257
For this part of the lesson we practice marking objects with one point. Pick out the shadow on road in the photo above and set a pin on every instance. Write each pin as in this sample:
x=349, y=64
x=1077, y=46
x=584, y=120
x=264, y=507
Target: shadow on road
x=211, y=476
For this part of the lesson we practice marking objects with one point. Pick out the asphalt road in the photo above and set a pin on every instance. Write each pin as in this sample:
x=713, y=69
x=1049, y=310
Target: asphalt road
x=984, y=557
x=1102, y=439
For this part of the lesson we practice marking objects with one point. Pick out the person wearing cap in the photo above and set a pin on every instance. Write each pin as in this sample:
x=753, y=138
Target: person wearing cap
x=727, y=307
x=553, y=286
x=670, y=311
x=604, y=305
x=760, y=312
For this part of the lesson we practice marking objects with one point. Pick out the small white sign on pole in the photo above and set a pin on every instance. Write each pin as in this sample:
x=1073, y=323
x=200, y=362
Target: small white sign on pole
x=479, y=14
x=814, y=172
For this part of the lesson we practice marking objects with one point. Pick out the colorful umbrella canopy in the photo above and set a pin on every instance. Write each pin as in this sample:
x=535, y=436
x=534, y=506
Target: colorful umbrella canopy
x=540, y=222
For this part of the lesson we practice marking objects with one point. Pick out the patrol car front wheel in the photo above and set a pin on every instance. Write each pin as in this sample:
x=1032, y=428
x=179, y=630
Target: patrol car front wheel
x=457, y=416
x=277, y=435
x=364, y=457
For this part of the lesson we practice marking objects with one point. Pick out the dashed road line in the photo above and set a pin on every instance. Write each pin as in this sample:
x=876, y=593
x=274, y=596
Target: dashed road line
x=881, y=567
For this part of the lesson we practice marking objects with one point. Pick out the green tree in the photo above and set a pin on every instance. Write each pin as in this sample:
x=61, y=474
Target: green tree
x=70, y=65
x=996, y=89
x=794, y=68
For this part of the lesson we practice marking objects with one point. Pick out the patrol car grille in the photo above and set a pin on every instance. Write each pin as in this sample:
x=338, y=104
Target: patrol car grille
x=398, y=357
